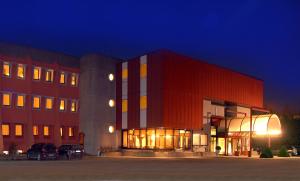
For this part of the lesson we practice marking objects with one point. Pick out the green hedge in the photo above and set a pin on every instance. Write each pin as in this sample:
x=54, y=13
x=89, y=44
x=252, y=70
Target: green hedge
x=283, y=152
x=266, y=153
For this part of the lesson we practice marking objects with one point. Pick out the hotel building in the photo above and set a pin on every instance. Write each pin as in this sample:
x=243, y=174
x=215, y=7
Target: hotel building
x=158, y=101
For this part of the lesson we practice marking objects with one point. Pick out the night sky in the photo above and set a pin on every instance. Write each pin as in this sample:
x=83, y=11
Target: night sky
x=256, y=37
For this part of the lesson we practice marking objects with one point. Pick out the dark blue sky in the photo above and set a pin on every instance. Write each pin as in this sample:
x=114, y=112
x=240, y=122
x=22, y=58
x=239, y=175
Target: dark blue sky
x=257, y=37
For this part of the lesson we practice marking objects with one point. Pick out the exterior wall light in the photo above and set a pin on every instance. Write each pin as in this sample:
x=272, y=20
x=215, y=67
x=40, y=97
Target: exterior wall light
x=111, y=77
x=111, y=129
x=111, y=103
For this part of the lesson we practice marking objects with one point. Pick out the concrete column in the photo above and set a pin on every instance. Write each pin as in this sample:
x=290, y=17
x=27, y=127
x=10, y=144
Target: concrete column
x=95, y=92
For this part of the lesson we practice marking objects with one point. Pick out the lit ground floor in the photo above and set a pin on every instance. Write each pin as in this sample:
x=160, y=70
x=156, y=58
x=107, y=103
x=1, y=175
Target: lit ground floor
x=122, y=168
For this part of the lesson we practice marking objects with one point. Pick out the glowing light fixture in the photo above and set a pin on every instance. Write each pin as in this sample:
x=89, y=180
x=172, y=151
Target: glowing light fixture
x=111, y=77
x=111, y=129
x=111, y=103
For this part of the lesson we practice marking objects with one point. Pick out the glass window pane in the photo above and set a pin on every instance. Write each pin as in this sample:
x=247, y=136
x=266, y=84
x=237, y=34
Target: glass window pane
x=35, y=130
x=49, y=75
x=18, y=130
x=46, y=131
x=21, y=71
x=36, y=102
x=143, y=70
x=125, y=73
x=5, y=129
x=20, y=100
x=203, y=139
x=62, y=78
x=73, y=106
x=62, y=105
x=143, y=102
x=124, y=105
x=125, y=139
x=169, y=138
x=151, y=138
x=71, y=132
x=74, y=79
x=37, y=73
x=6, y=97
x=6, y=69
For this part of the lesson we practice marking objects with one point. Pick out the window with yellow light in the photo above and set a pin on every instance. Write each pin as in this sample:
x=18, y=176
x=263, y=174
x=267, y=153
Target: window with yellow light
x=5, y=129
x=36, y=102
x=49, y=75
x=46, y=131
x=73, y=106
x=21, y=71
x=20, y=100
x=74, y=79
x=71, y=131
x=37, y=73
x=6, y=69
x=62, y=104
x=6, y=99
x=143, y=102
x=62, y=78
x=19, y=130
x=61, y=131
x=35, y=130
x=124, y=73
x=143, y=70
x=124, y=105
x=49, y=103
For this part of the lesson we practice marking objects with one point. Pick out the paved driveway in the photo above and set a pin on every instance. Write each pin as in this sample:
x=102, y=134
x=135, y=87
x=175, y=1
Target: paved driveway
x=94, y=168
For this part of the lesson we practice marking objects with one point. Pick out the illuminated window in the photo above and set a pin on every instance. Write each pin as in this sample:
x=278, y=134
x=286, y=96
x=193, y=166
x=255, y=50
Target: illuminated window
x=213, y=131
x=111, y=77
x=124, y=105
x=196, y=139
x=6, y=69
x=36, y=102
x=125, y=73
x=71, y=131
x=5, y=129
x=143, y=70
x=203, y=139
x=37, y=73
x=35, y=130
x=73, y=106
x=111, y=103
x=21, y=71
x=74, y=79
x=6, y=98
x=19, y=130
x=62, y=104
x=20, y=100
x=62, y=78
x=61, y=132
x=49, y=103
x=46, y=130
x=49, y=75
x=125, y=137
x=143, y=102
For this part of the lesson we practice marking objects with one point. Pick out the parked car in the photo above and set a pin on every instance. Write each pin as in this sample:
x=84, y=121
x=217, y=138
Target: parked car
x=71, y=151
x=42, y=151
x=293, y=151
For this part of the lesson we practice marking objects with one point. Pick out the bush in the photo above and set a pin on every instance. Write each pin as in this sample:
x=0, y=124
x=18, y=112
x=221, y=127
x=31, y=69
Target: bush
x=283, y=152
x=266, y=153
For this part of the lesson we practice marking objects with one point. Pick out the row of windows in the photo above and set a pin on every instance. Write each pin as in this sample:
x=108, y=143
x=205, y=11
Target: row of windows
x=143, y=71
x=143, y=103
x=35, y=130
x=37, y=74
x=36, y=102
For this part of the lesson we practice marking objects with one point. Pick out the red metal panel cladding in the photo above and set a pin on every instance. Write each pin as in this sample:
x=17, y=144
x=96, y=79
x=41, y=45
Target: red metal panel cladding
x=134, y=94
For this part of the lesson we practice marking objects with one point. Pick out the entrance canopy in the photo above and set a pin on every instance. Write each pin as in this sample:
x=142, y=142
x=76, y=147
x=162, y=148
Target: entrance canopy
x=268, y=124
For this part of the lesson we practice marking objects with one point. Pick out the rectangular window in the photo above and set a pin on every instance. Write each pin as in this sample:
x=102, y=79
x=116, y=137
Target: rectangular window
x=35, y=130
x=124, y=73
x=62, y=104
x=5, y=129
x=49, y=75
x=203, y=139
x=143, y=70
x=49, y=103
x=71, y=131
x=124, y=105
x=6, y=69
x=20, y=100
x=143, y=102
x=196, y=139
x=37, y=73
x=73, y=106
x=46, y=131
x=21, y=71
x=18, y=130
x=61, y=132
x=36, y=102
x=6, y=99
x=125, y=139
x=62, y=78
x=74, y=79
x=213, y=131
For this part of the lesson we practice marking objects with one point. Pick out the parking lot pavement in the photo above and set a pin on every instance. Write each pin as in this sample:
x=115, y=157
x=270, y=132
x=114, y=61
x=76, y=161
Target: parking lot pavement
x=124, y=168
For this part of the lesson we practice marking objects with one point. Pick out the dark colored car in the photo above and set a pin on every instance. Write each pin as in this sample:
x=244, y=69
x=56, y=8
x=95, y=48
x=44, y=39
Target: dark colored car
x=71, y=151
x=42, y=151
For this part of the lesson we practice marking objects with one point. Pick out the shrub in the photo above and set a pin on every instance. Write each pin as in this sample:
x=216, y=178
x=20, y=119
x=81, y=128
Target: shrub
x=283, y=152
x=266, y=153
